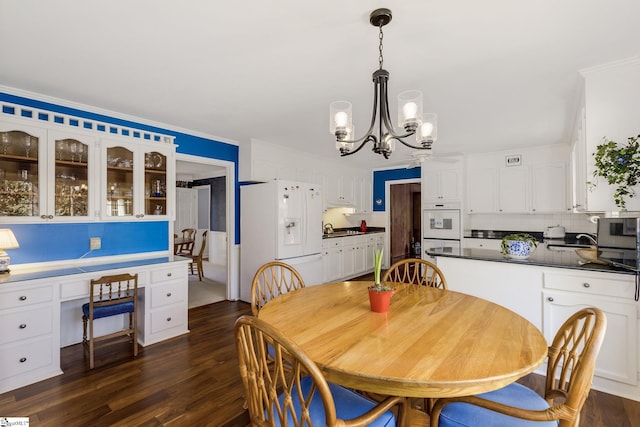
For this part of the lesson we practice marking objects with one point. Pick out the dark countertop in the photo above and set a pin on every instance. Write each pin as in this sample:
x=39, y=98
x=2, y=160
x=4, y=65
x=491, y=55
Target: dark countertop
x=542, y=256
x=346, y=232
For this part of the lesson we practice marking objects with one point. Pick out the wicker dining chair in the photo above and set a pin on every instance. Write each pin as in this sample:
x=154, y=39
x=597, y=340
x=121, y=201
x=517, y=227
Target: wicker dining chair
x=570, y=367
x=272, y=279
x=288, y=389
x=417, y=272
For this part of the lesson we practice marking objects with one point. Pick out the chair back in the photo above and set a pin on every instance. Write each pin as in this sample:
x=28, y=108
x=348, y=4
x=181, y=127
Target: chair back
x=189, y=233
x=272, y=279
x=416, y=271
x=278, y=388
x=204, y=243
x=572, y=361
x=112, y=290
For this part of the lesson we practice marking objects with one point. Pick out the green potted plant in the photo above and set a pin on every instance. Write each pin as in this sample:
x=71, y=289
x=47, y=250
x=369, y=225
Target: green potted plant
x=620, y=166
x=518, y=245
x=379, y=294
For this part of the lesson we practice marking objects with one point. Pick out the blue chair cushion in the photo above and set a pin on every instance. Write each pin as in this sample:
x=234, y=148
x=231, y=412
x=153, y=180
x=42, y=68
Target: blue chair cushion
x=517, y=395
x=108, y=310
x=349, y=405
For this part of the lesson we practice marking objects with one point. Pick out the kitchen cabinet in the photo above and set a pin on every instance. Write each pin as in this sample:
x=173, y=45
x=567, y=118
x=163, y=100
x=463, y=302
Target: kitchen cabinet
x=537, y=185
x=46, y=174
x=137, y=180
x=340, y=190
x=564, y=294
x=475, y=243
x=350, y=256
x=440, y=186
x=579, y=179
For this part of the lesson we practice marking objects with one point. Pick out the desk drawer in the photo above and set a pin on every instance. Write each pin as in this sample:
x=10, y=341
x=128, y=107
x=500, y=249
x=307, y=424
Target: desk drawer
x=24, y=297
x=169, y=273
x=167, y=318
x=25, y=324
x=167, y=294
x=19, y=358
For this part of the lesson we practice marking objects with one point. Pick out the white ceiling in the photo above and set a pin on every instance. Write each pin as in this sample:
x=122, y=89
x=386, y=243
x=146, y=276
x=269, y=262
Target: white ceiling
x=499, y=73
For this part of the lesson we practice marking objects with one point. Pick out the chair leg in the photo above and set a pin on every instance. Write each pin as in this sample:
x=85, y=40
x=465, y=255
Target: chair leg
x=91, y=364
x=200, y=272
x=133, y=324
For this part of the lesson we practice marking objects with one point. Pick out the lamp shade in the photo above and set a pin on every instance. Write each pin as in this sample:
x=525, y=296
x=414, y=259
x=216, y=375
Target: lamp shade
x=8, y=239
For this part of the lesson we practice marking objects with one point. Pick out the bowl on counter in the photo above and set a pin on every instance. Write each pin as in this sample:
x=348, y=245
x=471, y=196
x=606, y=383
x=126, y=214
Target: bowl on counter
x=589, y=255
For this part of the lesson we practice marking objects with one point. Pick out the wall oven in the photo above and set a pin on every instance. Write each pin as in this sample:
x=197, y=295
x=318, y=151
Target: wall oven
x=441, y=231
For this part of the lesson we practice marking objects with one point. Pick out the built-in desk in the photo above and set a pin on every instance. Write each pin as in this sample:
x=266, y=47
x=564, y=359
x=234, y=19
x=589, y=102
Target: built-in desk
x=40, y=311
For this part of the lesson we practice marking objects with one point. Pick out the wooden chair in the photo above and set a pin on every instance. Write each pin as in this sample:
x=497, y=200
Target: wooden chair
x=570, y=367
x=290, y=390
x=272, y=279
x=189, y=236
x=196, y=260
x=417, y=272
x=110, y=296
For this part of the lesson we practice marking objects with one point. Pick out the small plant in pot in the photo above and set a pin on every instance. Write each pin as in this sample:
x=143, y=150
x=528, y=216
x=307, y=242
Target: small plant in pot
x=518, y=245
x=379, y=293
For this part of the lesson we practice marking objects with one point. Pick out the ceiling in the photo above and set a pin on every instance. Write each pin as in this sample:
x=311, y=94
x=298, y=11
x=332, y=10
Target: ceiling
x=501, y=74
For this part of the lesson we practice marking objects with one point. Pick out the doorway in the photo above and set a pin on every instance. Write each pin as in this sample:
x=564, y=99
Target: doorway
x=405, y=219
x=197, y=204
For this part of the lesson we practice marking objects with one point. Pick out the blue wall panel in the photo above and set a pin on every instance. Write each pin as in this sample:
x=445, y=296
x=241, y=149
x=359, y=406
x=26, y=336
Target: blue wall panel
x=55, y=242
x=380, y=179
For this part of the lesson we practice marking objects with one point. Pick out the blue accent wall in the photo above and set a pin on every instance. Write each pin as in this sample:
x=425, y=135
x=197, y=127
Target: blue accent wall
x=380, y=179
x=59, y=241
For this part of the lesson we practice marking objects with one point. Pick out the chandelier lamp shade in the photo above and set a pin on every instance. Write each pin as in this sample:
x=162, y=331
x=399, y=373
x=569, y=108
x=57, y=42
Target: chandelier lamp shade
x=413, y=122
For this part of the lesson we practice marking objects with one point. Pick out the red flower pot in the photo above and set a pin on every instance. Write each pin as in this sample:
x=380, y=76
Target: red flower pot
x=380, y=300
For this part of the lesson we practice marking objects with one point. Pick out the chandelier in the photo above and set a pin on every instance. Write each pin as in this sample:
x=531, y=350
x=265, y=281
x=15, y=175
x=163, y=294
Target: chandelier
x=410, y=116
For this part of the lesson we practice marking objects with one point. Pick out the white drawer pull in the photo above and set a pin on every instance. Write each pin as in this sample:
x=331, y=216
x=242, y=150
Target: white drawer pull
x=550, y=299
x=168, y=319
x=586, y=285
x=23, y=359
x=168, y=294
x=22, y=326
x=23, y=298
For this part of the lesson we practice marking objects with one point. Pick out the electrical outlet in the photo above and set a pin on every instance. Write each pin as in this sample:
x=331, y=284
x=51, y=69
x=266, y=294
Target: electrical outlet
x=94, y=243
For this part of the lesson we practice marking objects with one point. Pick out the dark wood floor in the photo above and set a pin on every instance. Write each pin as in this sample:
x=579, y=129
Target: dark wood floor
x=191, y=380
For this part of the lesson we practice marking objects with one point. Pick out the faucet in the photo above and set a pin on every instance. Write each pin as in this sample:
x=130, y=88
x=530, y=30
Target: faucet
x=589, y=237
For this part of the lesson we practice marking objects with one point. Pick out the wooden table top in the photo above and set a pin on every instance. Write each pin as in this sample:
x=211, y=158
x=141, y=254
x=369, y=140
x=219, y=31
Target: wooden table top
x=432, y=343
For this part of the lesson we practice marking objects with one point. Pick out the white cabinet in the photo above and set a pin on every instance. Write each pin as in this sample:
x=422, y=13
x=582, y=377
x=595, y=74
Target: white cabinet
x=350, y=256
x=475, y=243
x=137, y=180
x=579, y=179
x=566, y=293
x=29, y=343
x=441, y=185
x=537, y=185
x=482, y=185
x=340, y=190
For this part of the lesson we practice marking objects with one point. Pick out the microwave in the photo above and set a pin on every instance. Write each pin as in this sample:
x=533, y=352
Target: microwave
x=619, y=241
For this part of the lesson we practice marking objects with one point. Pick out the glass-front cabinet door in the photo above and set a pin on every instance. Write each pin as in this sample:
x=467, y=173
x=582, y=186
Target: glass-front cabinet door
x=155, y=183
x=72, y=183
x=119, y=185
x=22, y=171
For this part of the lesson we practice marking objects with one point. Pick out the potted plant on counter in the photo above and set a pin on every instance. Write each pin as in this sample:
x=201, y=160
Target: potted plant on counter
x=379, y=294
x=518, y=245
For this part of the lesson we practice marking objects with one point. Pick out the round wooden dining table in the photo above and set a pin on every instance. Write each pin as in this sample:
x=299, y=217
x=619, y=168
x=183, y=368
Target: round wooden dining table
x=431, y=343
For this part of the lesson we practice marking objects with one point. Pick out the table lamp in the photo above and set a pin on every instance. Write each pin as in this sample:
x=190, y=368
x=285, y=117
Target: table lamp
x=7, y=241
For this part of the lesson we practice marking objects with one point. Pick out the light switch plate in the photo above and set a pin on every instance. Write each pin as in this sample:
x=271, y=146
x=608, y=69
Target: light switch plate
x=94, y=243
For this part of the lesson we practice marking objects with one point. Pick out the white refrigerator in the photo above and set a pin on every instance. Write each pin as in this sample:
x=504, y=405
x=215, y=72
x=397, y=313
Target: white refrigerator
x=281, y=221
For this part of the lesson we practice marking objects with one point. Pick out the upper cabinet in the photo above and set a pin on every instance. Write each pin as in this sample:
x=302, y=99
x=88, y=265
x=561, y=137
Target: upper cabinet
x=610, y=108
x=441, y=181
x=532, y=181
x=51, y=172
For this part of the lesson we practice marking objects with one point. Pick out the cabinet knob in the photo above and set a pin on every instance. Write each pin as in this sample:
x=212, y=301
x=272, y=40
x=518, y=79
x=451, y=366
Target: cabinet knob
x=168, y=319
x=22, y=326
x=23, y=359
x=168, y=294
x=23, y=298
x=550, y=299
x=43, y=216
x=586, y=285
x=169, y=274
x=50, y=216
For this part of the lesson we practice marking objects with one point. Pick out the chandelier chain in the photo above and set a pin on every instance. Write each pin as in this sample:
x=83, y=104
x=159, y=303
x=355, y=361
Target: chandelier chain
x=380, y=58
